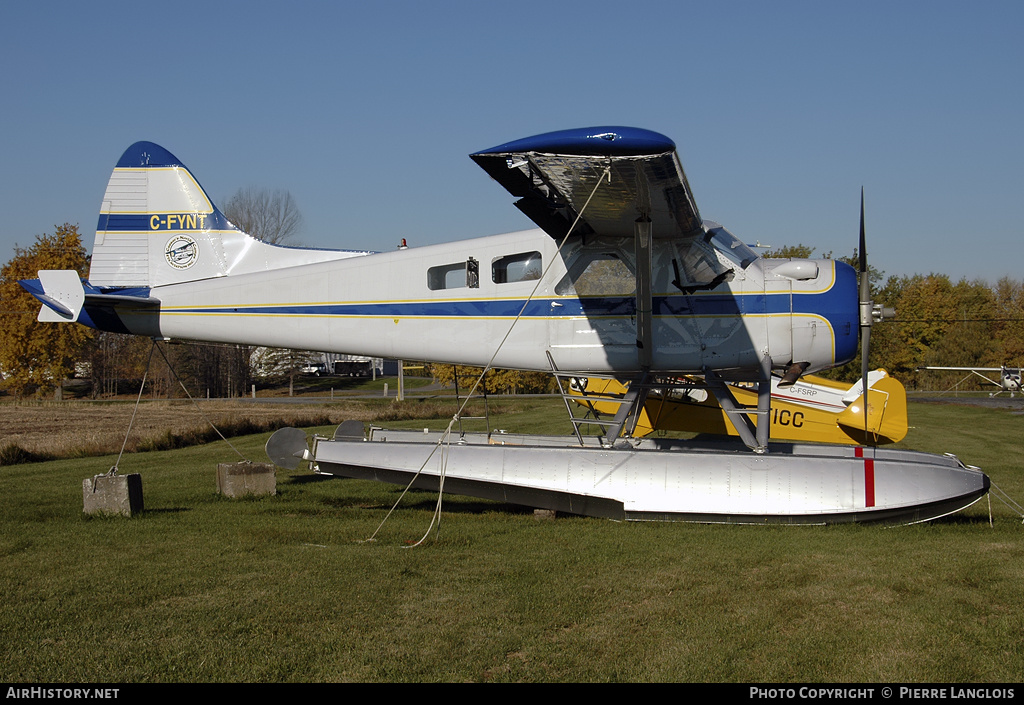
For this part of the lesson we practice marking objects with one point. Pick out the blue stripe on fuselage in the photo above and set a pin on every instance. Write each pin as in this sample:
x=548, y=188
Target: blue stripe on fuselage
x=822, y=304
x=838, y=305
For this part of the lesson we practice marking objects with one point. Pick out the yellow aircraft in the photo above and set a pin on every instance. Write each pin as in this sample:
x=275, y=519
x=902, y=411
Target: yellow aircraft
x=812, y=409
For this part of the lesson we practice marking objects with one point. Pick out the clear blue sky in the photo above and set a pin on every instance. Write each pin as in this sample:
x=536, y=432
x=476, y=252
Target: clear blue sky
x=366, y=113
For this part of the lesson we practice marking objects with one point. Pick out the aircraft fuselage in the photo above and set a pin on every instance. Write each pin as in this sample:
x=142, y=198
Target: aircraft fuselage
x=455, y=302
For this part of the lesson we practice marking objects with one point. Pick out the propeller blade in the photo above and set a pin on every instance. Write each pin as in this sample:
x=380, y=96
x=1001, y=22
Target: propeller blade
x=866, y=306
x=869, y=313
x=865, y=346
x=863, y=242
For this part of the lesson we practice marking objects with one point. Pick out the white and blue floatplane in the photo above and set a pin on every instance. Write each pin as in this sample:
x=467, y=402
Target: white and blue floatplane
x=623, y=278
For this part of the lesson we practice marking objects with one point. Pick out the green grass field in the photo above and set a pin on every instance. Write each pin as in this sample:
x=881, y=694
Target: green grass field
x=285, y=588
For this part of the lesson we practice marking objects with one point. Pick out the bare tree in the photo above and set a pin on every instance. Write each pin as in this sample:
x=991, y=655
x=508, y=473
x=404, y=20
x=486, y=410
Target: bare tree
x=270, y=216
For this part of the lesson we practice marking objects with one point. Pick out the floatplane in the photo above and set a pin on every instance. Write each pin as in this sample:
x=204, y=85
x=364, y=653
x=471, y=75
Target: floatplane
x=623, y=278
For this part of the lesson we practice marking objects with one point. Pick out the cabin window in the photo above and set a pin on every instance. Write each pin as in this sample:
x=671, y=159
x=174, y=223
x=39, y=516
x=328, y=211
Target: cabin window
x=598, y=273
x=522, y=267
x=447, y=276
x=457, y=275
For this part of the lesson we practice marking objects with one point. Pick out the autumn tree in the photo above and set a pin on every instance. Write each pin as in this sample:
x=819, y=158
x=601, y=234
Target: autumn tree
x=938, y=322
x=1008, y=315
x=209, y=369
x=37, y=355
x=496, y=381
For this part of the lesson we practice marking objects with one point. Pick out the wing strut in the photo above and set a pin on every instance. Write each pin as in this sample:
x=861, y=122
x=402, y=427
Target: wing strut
x=764, y=406
x=644, y=296
x=630, y=408
x=754, y=435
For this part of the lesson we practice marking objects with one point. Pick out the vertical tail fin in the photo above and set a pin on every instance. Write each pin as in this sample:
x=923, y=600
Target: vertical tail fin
x=157, y=226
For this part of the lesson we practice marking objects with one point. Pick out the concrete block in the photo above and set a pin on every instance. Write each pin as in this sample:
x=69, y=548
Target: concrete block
x=112, y=494
x=245, y=478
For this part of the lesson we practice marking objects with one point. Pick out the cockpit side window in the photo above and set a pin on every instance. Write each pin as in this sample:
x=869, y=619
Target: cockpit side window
x=731, y=246
x=703, y=263
x=700, y=264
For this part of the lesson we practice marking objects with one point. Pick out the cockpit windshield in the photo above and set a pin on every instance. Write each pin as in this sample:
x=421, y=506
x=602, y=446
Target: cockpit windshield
x=729, y=245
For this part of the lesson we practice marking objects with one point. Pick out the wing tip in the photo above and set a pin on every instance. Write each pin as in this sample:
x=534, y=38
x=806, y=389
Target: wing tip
x=610, y=141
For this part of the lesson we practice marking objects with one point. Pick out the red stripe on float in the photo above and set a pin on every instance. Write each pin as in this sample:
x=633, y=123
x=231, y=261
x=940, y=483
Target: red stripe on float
x=869, y=482
x=869, y=477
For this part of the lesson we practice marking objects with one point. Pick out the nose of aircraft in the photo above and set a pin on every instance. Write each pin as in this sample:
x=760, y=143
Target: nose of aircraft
x=841, y=306
x=821, y=289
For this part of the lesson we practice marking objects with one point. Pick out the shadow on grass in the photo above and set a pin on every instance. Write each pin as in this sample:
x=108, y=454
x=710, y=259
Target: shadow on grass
x=425, y=500
x=111, y=516
x=309, y=479
x=961, y=519
x=452, y=504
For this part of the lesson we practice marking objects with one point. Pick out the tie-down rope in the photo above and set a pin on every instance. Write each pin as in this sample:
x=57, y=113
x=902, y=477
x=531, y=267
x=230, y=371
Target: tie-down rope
x=444, y=443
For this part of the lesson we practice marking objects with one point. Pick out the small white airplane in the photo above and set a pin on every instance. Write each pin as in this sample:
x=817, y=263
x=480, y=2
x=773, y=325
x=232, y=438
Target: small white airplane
x=623, y=277
x=1009, y=377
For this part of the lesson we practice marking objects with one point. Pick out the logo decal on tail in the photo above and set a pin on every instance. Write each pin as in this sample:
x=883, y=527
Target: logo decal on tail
x=181, y=252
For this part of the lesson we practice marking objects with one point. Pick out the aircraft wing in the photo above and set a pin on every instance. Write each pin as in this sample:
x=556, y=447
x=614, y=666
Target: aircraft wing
x=554, y=174
x=965, y=369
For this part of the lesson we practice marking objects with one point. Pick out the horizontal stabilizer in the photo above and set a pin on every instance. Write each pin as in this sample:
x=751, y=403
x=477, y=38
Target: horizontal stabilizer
x=62, y=294
x=858, y=387
x=122, y=298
